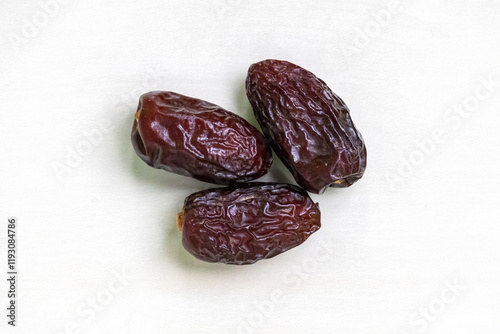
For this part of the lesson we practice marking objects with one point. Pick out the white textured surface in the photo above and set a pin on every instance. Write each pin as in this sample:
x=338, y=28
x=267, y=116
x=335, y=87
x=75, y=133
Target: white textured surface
x=392, y=249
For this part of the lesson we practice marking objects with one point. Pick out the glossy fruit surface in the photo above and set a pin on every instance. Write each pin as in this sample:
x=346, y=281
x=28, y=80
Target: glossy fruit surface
x=309, y=126
x=196, y=138
x=244, y=224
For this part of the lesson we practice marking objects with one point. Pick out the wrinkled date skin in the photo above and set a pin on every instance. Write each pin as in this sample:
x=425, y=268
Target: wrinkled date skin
x=244, y=224
x=195, y=138
x=310, y=127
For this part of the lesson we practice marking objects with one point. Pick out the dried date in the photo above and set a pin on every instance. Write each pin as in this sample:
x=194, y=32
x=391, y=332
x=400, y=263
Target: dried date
x=196, y=138
x=244, y=224
x=309, y=125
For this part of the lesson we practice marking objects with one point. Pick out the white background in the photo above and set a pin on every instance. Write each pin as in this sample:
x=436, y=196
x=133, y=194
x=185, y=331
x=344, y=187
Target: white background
x=420, y=220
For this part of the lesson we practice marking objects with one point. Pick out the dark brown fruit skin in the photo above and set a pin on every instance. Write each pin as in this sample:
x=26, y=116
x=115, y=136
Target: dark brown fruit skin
x=248, y=223
x=191, y=137
x=309, y=126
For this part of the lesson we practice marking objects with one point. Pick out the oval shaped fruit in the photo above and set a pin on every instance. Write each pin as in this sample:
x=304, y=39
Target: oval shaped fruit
x=196, y=138
x=241, y=225
x=310, y=127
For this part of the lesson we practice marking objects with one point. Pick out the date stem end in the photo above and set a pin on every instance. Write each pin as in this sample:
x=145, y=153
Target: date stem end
x=180, y=219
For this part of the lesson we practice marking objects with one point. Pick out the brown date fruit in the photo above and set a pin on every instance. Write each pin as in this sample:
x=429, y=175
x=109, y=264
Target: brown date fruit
x=247, y=223
x=196, y=138
x=309, y=125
